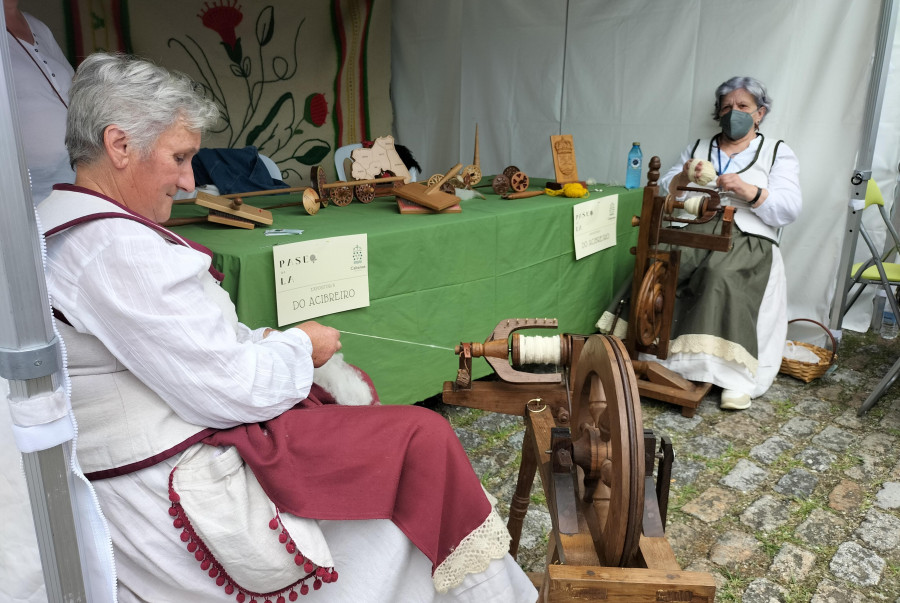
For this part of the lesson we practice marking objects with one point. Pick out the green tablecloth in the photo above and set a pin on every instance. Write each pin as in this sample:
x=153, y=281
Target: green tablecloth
x=435, y=279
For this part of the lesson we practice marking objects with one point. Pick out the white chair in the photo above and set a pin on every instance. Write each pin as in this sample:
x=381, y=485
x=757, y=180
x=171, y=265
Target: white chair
x=340, y=154
x=274, y=170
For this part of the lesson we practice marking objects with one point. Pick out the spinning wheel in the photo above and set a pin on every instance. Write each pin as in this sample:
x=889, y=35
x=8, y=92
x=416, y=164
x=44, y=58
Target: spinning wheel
x=608, y=444
x=596, y=461
x=655, y=280
x=651, y=303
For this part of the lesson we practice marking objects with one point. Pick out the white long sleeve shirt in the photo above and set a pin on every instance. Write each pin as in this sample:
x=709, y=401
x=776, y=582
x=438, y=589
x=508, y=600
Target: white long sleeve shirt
x=785, y=200
x=141, y=296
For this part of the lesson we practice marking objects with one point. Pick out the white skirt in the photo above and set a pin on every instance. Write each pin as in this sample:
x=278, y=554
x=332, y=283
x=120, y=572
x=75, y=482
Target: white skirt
x=771, y=333
x=375, y=560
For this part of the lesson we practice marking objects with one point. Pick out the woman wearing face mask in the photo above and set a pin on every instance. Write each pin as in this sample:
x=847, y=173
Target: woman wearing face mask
x=730, y=320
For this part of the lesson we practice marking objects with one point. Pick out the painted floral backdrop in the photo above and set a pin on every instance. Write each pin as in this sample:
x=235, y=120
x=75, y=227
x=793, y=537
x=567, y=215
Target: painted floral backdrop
x=296, y=79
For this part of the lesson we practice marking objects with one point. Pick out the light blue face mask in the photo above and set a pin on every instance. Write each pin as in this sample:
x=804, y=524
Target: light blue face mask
x=735, y=124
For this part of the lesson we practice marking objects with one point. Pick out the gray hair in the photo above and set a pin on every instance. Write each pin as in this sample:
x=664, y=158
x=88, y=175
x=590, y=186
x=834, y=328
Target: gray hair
x=138, y=96
x=752, y=85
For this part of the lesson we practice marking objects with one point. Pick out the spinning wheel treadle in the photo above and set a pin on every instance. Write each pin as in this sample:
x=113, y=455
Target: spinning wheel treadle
x=608, y=443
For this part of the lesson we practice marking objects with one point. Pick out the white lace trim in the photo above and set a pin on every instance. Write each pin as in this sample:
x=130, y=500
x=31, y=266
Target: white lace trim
x=485, y=543
x=714, y=346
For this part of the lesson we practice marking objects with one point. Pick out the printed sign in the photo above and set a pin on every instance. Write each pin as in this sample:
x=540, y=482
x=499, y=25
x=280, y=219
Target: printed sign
x=595, y=225
x=315, y=278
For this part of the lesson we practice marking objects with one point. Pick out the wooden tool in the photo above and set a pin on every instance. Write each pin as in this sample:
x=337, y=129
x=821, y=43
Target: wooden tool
x=266, y=193
x=522, y=195
x=654, y=281
x=260, y=193
x=310, y=201
x=584, y=434
x=430, y=195
x=408, y=207
x=472, y=173
x=231, y=212
x=511, y=178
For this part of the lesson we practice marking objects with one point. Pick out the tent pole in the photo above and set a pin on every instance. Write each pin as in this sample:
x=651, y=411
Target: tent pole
x=862, y=173
x=30, y=355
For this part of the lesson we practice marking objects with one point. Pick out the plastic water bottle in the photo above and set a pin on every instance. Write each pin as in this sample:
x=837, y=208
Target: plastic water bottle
x=888, y=323
x=635, y=164
x=878, y=304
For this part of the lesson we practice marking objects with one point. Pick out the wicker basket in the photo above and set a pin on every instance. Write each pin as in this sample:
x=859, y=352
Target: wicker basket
x=807, y=371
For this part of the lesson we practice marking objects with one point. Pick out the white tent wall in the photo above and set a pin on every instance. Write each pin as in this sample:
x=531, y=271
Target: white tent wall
x=615, y=71
x=609, y=72
x=21, y=578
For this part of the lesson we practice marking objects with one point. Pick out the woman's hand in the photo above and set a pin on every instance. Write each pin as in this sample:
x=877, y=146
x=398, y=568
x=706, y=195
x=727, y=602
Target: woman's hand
x=325, y=341
x=732, y=183
x=697, y=171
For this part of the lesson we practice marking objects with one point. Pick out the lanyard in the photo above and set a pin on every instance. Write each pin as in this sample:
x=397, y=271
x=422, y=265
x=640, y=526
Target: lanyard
x=722, y=170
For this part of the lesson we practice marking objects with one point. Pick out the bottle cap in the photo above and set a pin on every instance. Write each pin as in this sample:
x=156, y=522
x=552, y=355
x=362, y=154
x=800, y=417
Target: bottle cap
x=637, y=144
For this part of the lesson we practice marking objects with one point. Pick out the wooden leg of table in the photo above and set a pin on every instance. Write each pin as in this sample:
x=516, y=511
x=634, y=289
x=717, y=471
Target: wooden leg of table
x=522, y=496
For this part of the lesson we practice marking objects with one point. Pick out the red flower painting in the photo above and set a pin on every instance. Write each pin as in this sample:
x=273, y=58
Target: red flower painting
x=222, y=18
x=271, y=120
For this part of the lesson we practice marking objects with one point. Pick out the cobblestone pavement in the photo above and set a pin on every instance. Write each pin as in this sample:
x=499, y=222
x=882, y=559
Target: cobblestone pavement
x=795, y=499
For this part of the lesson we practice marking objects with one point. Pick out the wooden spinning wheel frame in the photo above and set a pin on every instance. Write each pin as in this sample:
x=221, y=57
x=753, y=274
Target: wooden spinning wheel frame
x=584, y=436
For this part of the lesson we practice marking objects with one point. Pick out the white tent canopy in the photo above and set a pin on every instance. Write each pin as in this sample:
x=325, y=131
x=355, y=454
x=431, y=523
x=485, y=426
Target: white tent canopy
x=611, y=72
x=618, y=71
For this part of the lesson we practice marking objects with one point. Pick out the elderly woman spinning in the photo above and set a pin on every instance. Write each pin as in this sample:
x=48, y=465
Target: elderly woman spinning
x=224, y=471
x=730, y=319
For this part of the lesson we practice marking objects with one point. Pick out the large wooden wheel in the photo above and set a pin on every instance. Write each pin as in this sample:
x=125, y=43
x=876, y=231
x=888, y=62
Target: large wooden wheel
x=651, y=303
x=319, y=180
x=607, y=432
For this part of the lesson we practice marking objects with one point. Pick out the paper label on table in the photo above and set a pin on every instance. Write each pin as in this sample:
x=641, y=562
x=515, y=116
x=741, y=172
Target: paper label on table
x=315, y=278
x=595, y=225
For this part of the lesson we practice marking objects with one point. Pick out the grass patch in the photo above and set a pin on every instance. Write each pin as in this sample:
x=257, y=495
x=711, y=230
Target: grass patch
x=726, y=461
x=773, y=541
x=799, y=593
x=683, y=496
x=467, y=418
x=734, y=586
x=538, y=498
x=782, y=408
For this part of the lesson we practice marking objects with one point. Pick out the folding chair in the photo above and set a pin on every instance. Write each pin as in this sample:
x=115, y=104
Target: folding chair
x=877, y=270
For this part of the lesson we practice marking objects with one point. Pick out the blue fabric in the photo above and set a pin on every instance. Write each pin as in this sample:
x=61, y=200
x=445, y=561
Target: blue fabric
x=233, y=171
